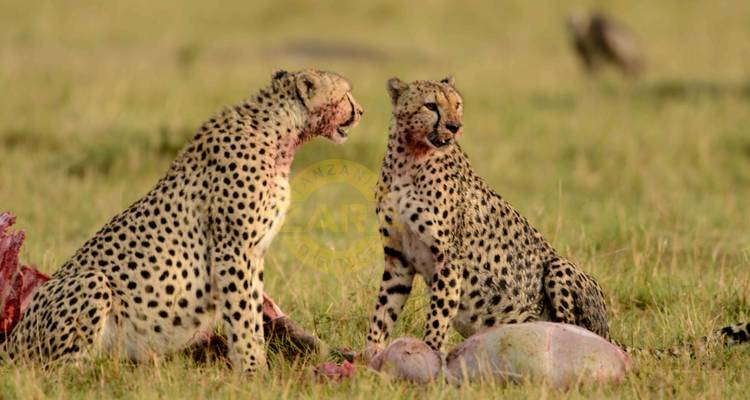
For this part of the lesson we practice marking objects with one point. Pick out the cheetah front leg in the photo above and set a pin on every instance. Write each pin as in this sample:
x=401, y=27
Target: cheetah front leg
x=237, y=283
x=238, y=280
x=395, y=286
x=445, y=295
x=445, y=283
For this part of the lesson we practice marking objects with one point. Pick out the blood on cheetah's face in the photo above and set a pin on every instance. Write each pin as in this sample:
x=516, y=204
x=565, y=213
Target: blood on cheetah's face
x=329, y=104
x=428, y=113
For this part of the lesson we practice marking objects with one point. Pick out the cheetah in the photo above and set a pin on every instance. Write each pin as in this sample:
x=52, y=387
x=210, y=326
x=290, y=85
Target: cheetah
x=188, y=256
x=482, y=261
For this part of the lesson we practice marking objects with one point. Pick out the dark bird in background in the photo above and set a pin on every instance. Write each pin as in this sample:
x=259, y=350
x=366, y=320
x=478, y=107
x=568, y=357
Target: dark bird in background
x=599, y=40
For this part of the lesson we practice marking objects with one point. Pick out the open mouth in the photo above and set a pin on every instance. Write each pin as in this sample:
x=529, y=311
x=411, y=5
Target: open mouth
x=342, y=129
x=435, y=140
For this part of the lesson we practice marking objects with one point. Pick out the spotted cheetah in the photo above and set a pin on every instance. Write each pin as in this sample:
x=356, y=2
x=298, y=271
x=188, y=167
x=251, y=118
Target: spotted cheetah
x=483, y=263
x=189, y=254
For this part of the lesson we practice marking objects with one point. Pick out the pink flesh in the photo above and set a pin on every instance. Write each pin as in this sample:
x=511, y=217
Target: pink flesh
x=334, y=372
x=271, y=309
x=559, y=354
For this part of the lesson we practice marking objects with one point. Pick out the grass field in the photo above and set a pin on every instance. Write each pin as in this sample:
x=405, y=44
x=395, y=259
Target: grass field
x=645, y=184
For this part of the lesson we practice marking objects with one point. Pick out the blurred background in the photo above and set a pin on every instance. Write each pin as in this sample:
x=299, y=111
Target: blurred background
x=645, y=181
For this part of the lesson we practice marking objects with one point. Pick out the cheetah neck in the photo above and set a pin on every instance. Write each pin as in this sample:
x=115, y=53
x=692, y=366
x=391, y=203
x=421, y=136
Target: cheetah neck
x=403, y=157
x=279, y=118
x=398, y=163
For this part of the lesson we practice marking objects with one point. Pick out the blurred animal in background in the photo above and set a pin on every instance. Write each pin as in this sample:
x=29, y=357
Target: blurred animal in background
x=598, y=39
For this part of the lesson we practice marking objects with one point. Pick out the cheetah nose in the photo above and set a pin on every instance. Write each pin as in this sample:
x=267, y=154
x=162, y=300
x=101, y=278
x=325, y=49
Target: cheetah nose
x=453, y=127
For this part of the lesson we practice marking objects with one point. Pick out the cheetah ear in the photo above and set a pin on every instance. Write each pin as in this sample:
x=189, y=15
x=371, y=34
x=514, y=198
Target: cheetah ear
x=449, y=80
x=276, y=79
x=307, y=84
x=395, y=87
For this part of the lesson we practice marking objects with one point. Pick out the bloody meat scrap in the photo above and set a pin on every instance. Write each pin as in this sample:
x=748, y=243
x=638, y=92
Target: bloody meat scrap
x=17, y=282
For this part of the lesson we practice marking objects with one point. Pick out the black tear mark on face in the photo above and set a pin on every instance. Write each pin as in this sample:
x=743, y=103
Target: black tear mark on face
x=433, y=136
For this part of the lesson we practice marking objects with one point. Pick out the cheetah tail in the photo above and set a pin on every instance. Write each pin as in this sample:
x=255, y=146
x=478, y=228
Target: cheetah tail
x=727, y=336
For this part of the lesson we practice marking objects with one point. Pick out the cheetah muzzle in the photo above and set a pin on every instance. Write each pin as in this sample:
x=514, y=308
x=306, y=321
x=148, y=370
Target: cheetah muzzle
x=354, y=116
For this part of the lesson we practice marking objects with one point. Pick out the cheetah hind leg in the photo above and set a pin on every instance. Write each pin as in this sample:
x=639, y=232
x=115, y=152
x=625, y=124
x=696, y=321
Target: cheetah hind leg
x=574, y=297
x=65, y=320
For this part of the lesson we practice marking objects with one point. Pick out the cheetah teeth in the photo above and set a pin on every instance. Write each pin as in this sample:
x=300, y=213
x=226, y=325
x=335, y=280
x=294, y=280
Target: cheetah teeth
x=433, y=139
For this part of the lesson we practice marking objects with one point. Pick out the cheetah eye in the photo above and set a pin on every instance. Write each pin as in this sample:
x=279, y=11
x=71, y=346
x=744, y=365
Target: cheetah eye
x=431, y=106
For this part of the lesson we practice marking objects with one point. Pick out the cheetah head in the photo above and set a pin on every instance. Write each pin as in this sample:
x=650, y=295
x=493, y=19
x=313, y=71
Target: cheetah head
x=326, y=98
x=427, y=113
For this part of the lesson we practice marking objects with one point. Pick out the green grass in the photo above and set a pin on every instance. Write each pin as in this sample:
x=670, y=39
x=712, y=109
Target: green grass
x=645, y=184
